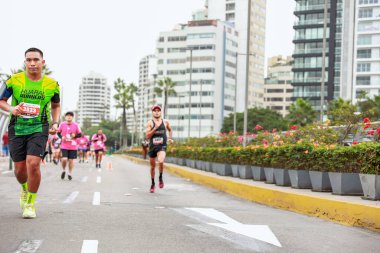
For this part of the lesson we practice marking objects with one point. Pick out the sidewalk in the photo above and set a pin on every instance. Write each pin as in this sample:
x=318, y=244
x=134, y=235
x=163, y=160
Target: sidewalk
x=347, y=210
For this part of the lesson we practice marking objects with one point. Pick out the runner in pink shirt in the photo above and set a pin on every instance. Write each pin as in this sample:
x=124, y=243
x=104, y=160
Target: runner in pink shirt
x=98, y=140
x=68, y=131
x=82, y=147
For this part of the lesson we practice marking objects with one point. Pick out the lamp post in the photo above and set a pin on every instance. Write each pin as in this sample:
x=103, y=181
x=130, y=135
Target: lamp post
x=247, y=74
x=200, y=109
x=190, y=81
x=179, y=115
x=323, y=60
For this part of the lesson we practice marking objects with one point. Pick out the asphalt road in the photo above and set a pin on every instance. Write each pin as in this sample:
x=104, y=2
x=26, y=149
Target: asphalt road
x=111, y=210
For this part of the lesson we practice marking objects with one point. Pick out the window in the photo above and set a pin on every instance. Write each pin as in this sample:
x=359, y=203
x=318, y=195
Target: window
x=364, y=40
x=365, y=13
x=364, y=53
x=363, y=67
x=368, y=2
x=177, y=38
x=363, y=80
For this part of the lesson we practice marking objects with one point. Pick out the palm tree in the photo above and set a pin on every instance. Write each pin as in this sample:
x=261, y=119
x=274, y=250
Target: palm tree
x=122, y=101
x=165, y=87
x=132, y=91
x=370, y=105
x=301, y=113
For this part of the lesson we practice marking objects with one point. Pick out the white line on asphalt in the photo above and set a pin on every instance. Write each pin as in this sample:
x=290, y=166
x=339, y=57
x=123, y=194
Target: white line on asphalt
x=98, y=179
x=96, y=199
x=29, y=246
x=84, y=179
x=6, y=172
x=99, y=170
x=90, y=246
x=70, y=199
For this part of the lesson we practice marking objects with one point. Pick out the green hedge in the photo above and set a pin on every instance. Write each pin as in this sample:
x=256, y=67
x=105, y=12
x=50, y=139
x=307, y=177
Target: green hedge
x=362, y=158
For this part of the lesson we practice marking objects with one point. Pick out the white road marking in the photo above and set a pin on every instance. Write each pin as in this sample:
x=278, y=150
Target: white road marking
x=29, y=246
x=70, y=199
x=90, y=246
x=98, y=179
x=7, y=172
x=258, y=232
x=84, y=179
x=96, y=199
x=99, y=170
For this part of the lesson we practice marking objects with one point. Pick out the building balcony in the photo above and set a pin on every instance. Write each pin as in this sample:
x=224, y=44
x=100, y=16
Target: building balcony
x=310, y=51
x=311, y=7
x=310, y=22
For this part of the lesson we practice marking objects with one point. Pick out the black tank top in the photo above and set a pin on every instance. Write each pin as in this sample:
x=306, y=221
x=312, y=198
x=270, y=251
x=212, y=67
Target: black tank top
x=159, y=137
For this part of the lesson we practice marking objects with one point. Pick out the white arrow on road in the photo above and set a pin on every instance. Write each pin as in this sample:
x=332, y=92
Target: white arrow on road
x=259, y=232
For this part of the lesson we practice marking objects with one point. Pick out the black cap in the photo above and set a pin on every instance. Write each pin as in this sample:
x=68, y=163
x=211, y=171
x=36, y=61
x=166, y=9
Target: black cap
x=69, y=113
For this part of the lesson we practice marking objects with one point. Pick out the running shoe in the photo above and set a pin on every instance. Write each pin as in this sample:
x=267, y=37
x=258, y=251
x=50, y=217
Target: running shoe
x=161, y=184
x=23, y=197
x=63, y=175
x=29, y=211
x=70, y=177
x=152, y=188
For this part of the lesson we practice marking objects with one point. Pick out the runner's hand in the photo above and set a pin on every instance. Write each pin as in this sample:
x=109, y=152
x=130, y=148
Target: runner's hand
x=170, y=141
x=54, y=128
x=17, y=110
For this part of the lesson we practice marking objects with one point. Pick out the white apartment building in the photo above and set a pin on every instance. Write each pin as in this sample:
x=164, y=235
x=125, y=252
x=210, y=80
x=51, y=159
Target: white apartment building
x=94, y=99
x=278, y=89
x=236, y=13
x=146, y=95
x=205, y=52
x=366, y=72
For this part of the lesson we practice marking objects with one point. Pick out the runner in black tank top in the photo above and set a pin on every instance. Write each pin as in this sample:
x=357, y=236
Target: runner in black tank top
x=156, y=133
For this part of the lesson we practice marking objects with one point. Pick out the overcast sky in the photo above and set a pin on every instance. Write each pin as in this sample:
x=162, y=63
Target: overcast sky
x=109, y=37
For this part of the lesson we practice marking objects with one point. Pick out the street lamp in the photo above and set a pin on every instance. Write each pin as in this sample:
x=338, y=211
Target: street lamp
x=323, y=60
x=200, y=109
x=191, y=72
x=247, y=74
x=179, y=114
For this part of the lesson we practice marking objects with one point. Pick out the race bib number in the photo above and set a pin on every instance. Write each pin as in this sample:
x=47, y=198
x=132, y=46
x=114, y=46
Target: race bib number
x=99, y=143
x=30, y=110
x=158, y=141
x=68, y=137
x=74, y=143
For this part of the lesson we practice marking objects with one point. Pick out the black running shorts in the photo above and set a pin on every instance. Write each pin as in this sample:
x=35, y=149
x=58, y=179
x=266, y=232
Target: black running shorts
x=22, y=145
x=155, y=149
x=99, y=150
x=71, y=154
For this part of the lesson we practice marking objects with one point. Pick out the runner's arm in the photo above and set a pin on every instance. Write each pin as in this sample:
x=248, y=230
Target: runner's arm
x=5, y=93
x=170, y=131
x=150, y=130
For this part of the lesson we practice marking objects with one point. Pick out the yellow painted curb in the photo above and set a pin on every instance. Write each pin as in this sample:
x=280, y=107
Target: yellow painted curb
x=334, y=210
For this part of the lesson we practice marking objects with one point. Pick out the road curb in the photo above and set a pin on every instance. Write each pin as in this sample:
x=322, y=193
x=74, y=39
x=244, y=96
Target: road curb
x=347, y=213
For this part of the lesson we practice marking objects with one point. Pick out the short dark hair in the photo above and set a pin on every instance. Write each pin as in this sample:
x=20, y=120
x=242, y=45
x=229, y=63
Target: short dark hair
x=69, y=113
x=34, y=49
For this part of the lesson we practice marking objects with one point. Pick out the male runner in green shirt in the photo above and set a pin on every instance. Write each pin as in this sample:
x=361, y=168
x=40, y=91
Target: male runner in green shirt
x=33, y=94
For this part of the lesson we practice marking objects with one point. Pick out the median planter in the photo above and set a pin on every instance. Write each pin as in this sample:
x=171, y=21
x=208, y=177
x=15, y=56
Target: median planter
x=281, y=177
x=181, y=161
x=258, y=173
x=222, y=169
x=300, y=179
x=345, y=183
x=235, y=170
x=190, y=163
x=269, y=175
x=245, y=172
x=371, y=186
x=199, y=164
x=320, y=181
x=206, y=166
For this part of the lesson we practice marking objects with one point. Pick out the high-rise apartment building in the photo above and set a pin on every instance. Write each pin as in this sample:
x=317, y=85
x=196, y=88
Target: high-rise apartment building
x=94, y=101
x=203, y=51
x=146, y=95
x=278, y=89
x=236, y=13
x=366, y=69
x=308, y=40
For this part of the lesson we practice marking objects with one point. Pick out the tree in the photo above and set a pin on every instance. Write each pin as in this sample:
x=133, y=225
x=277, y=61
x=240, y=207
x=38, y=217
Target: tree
x=132, y=91
x=301, y=113
x=340, y=111
x=122, y=102
x=111, y=128
x=266, y=118
x=165, y=88
x=370, y=105
x=86, y=123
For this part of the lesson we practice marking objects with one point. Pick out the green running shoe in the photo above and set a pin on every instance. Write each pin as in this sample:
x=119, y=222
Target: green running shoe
x=29, y=211
x=23, y=197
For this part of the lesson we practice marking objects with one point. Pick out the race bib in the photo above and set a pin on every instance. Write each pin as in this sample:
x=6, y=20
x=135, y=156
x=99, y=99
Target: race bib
x=30, y=110
x=99, y=143
x=68, y=137
x=81, y=142
x=158, y=141
x=74, y=143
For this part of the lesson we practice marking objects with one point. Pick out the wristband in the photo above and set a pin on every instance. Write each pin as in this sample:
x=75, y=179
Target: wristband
x=11, y=109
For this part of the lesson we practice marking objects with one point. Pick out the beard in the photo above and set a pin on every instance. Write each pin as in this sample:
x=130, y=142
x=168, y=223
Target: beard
x=157, y=117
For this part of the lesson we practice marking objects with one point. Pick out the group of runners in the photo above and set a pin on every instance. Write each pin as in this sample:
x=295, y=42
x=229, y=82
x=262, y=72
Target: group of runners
x=34, y=114
x=69, y=142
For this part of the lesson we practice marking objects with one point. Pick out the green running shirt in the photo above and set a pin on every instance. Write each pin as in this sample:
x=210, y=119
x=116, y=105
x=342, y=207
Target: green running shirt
x=36, y=98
